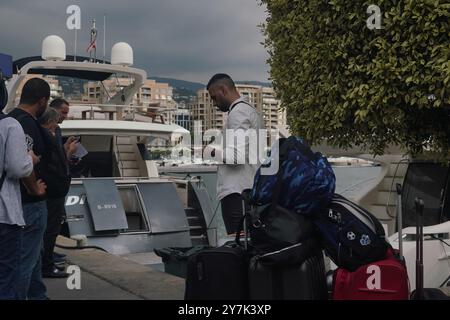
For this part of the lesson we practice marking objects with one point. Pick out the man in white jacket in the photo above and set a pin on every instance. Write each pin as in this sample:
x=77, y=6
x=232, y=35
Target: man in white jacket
x=238, y=167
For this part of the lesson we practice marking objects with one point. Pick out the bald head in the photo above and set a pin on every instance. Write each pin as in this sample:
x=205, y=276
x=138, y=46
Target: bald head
x=221, y=79
x=223, y=91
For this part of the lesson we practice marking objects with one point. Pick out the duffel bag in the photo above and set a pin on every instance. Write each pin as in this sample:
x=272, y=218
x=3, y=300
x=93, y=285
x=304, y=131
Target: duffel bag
x=273, y=228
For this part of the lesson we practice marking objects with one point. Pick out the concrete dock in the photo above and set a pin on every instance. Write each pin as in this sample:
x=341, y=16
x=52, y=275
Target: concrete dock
x=104, y=276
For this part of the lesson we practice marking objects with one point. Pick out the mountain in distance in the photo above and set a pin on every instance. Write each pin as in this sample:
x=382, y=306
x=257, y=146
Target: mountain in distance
x=195, y=86
x=186, y=91
x=255, y=83
x=180, y=84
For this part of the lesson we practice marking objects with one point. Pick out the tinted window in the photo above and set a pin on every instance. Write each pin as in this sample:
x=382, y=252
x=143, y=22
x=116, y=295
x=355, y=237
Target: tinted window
x=427, y=181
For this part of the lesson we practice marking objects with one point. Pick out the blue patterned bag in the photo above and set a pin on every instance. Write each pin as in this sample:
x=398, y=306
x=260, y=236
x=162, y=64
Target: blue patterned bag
x=308, y=181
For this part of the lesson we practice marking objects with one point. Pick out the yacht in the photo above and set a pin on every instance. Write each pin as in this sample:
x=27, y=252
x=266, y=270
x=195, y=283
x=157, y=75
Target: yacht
x=117, y=200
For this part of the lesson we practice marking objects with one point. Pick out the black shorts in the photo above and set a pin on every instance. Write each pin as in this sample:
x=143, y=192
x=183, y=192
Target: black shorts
x=232, y=212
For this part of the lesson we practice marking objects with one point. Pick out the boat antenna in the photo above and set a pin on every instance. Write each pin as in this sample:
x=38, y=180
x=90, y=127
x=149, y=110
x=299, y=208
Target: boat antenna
x=93, y=43
x=75, y=47
x=104, y=37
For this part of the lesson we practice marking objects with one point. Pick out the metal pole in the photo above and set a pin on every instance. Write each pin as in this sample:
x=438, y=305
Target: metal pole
x=75, y=47
x=400, y=219
x=419, y=248
x=104, y=38
x=245, y=225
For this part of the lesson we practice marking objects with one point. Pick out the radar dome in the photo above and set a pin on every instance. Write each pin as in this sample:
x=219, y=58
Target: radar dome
x=122, y=54
x=53, y=48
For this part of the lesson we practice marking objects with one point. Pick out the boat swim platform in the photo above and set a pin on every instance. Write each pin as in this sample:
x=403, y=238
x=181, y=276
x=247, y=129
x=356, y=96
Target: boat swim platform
x=105, y=276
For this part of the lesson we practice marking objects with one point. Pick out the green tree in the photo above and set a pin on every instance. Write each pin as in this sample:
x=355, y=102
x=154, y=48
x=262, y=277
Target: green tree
x=352, y=86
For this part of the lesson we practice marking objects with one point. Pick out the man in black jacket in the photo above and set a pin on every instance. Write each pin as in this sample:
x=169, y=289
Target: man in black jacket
x=33, y=103
x=58, y=183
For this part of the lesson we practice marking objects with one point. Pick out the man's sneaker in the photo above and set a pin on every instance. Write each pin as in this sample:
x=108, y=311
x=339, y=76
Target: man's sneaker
x=54, y=273
x=60, y=266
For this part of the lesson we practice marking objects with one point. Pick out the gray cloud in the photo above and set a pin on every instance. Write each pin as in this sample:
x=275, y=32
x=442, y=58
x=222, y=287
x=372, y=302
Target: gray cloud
x=186, y=39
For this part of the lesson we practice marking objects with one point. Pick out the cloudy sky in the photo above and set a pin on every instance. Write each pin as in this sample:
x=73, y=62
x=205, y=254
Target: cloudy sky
x=184, y=39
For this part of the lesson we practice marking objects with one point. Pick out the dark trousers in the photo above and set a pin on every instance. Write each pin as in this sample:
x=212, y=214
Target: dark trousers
x=31, y=285
x=232, y=212
x=10, y=245
x=56, y=214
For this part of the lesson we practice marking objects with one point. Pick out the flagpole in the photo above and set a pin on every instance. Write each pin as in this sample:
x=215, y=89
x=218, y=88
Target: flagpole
x=93, y=44
x=90, y=44
x=95, y=41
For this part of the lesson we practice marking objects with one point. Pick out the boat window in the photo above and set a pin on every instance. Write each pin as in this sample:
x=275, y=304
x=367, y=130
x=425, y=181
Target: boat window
x=143, y=151
x=98, y=162
x=133, y=209
x=427, y=181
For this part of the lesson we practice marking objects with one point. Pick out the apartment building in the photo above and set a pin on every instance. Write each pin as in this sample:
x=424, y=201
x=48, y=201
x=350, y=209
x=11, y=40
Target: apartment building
x=183, y=118
x=56, y=90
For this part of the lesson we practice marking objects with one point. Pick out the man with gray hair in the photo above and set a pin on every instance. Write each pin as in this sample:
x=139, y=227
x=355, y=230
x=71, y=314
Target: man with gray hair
x=58, y=184
x=62, y=107
x=234, y=178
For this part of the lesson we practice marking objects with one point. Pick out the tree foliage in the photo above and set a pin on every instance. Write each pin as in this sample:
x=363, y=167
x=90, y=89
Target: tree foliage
x=352, y=86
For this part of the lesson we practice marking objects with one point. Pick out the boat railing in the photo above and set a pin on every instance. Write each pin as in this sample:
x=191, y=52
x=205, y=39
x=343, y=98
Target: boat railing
x=98, y=111
x=119, y=158
x=92, y=111
x=123, y=180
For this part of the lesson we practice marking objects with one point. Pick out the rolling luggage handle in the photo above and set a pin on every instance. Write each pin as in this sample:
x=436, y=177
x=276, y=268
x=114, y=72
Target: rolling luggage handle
x=243, y=223
x=419, y=249
x=400, y=221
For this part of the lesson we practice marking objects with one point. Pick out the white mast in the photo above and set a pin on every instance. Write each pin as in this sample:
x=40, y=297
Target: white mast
x=104, y=38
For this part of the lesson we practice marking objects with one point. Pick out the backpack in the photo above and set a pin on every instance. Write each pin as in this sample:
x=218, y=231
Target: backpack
x=351, y=236
x=308, y=181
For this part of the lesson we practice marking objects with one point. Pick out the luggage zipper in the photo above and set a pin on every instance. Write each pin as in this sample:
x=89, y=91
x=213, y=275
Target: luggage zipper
x=200, y=270
x=361, y=216
x=279, y=251
x=339, y=253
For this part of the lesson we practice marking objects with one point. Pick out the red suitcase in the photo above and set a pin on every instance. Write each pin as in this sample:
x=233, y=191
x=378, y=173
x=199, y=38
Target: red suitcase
x=383, y=280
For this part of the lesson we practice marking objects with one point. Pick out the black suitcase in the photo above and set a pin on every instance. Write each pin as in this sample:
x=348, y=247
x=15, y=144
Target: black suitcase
x=306, y=281
x=218, y=274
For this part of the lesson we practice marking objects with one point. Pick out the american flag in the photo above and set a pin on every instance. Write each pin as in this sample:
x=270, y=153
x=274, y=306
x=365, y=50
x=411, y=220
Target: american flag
x=93, y=44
